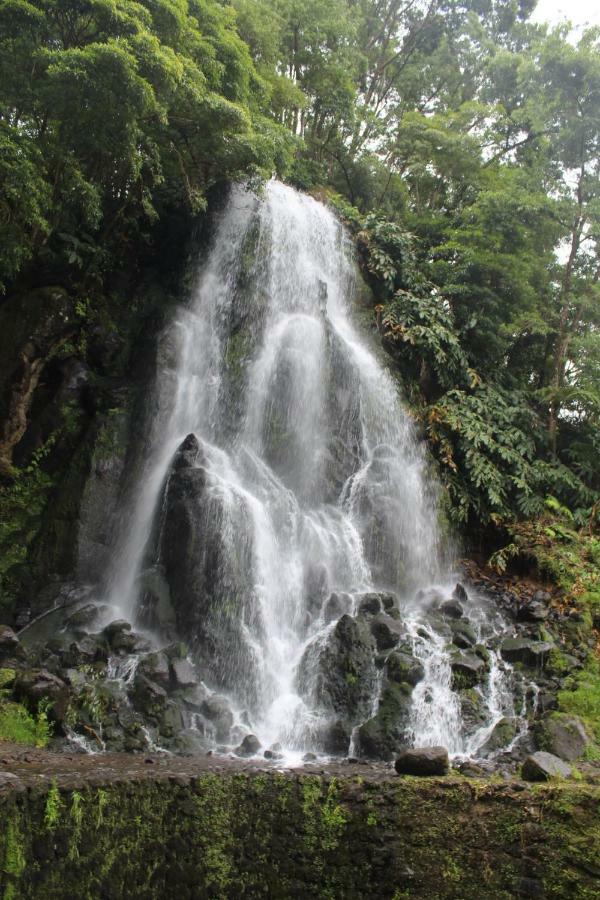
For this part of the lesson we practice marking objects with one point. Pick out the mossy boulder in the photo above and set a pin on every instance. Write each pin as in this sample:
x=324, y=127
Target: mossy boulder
x=387, y=732
x=563, y=735
x=340, y=675
x=503, y=732
x=531, y=653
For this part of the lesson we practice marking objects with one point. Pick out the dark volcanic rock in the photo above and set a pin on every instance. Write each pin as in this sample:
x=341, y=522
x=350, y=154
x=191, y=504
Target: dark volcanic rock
x=533, y=610
x=155, y=666
x=542, y=766
x=386, y=732
x=37, y=685
x=86, y=615
x=249, y=746
x=149, y=698
x=183, y=673
x=208, y=579
x=116, y=627
x=531, y=653
x=460, y=593
x=187, y=453
x=10, y=646
x=216, y=709
x=335, y=738
x=369, y=605
x=387, y=631
x=463, y=634
x=423, y=761
x=452, y=609
x=401, y=667
x=341, y=675
x=467, y=669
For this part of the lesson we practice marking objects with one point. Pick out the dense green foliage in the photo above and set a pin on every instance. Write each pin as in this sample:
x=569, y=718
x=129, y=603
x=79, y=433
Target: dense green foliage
x=460, y=142
x=114, y=113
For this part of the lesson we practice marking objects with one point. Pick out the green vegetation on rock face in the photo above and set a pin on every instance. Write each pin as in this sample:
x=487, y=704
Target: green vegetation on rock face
x=17, y=724
x=256, y=835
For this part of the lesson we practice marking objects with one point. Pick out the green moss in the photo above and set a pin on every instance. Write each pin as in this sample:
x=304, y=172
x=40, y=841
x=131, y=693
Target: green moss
x=246, y=835
x=7, y=676
x=582, y=697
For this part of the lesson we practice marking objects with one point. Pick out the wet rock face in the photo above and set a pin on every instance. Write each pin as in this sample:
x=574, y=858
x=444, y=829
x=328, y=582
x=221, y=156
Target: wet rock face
x=388, y=731
x=502, y=734
x=404, y=668
x=530, y=652
x=249, y=746
x=341, y=675
x=467, y=669
x=208, y=582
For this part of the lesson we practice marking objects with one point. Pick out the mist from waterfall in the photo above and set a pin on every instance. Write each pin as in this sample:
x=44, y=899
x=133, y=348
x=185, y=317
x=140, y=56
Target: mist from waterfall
x=309, y=481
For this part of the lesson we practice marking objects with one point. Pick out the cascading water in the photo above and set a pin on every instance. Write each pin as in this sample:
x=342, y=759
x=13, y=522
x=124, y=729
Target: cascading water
x=283, y=486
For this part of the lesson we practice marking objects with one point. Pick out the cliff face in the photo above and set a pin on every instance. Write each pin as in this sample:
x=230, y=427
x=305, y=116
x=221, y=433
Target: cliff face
x=157, y=827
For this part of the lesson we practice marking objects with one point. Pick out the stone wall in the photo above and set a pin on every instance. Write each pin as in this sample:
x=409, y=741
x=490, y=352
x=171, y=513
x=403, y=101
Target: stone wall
x=181, y=829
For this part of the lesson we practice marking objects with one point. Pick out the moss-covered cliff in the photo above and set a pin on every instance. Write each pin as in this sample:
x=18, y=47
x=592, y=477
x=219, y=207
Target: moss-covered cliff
x=190, y=828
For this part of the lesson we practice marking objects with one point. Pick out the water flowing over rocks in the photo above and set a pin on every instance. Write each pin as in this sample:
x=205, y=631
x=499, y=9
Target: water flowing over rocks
x=276, y=570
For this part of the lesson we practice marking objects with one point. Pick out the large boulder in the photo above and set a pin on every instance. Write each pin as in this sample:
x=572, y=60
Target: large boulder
x=148, y=697
x=183, y=674
x=423, y=761
x=463, y=634
x=37, y=687
x=207, y=552
x=249, y=746
x=387, y=732
x=155, y=666
x=340, y=675
x=529, y=652
x=542, y=766
x=402, y=667
x=562, y=735
x=467, y=669
x=10, y=646
x=500, y=736
x=216, y=709
x=451, y=609
x=387, y=631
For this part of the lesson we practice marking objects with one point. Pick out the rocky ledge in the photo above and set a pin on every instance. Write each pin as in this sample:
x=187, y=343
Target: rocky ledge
x=158, y=826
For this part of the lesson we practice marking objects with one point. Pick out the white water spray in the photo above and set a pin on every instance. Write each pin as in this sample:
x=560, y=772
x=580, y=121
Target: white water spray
x=312, y=480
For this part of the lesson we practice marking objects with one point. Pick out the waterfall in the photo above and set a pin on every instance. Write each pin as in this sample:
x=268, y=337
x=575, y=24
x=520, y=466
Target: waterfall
x=283, y=485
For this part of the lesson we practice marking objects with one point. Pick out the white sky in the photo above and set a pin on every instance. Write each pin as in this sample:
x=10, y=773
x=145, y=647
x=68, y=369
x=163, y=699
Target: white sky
x=579, y=12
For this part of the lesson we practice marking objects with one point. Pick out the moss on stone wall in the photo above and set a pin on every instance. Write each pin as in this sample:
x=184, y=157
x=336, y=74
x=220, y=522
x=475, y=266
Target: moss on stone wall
x=241, y=834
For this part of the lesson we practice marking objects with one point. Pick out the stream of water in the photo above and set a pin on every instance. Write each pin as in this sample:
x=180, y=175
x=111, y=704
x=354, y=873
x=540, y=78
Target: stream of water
x=313, y=480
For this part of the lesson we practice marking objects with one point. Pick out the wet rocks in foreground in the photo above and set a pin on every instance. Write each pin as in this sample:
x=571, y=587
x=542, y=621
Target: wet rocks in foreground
x=542, y=766
x=423, y=761
x=562, y=735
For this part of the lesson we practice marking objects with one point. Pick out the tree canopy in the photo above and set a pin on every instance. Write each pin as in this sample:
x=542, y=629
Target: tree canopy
x=459, y=141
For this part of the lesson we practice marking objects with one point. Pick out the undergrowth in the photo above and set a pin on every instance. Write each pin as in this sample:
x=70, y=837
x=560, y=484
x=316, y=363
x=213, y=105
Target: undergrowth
x=17, y=724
